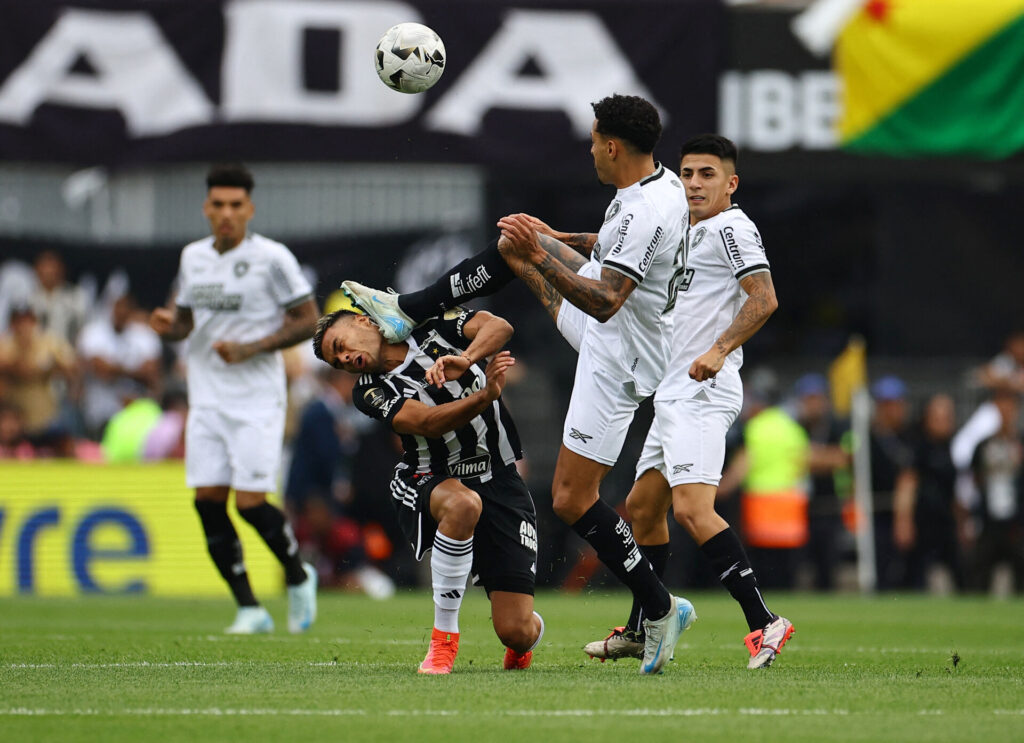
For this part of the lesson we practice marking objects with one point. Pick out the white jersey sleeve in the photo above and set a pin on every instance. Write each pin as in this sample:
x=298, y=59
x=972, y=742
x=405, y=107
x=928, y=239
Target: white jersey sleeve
x=743, y=247
x=288, y=285
x=639, y=236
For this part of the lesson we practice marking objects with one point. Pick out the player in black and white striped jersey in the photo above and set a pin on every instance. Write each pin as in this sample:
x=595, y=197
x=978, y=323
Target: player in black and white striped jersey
x=456, y=488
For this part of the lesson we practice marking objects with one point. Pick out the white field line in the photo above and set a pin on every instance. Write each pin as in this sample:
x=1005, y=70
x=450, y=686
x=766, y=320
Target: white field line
x=267, y=712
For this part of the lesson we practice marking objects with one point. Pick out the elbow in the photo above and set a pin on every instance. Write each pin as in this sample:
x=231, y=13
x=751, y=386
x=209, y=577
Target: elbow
x=772, y=305
x=506, y=329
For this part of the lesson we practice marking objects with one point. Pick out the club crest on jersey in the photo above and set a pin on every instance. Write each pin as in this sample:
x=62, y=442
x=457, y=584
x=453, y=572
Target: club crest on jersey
x=698, y=236
x=613, y=209
x=241, y=268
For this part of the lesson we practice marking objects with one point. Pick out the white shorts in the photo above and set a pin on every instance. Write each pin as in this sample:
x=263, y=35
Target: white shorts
x=686, y=443
x=600, y=411
x=241, y=449
x=572, y=322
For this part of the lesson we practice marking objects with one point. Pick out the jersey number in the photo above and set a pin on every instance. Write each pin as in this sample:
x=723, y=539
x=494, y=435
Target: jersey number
x=681, y=274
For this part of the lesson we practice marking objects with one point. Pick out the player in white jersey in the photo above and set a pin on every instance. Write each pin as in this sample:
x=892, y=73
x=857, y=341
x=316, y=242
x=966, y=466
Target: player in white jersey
x=619, y=301
x=725, y=294
x=241, y=299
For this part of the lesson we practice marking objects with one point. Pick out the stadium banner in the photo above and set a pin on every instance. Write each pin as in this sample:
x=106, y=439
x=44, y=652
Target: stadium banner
x=117, y=82
x=70, y=528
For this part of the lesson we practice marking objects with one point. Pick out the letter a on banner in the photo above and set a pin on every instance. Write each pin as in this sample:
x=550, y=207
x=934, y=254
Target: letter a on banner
x=136, y=72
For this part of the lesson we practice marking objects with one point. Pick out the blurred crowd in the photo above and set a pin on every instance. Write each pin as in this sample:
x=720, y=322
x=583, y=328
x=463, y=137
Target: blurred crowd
x=83, y=376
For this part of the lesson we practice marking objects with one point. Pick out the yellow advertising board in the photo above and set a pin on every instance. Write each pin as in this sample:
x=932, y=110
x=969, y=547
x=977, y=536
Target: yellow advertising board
x=69, y=528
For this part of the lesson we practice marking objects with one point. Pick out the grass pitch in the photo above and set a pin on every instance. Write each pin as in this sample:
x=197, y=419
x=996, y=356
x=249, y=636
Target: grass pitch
x=895, y=668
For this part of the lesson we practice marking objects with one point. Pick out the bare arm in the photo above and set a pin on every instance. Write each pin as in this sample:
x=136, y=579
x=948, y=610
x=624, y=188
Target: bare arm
x=488, y=334
x=761, y=303
x=582, y=242
x=904, y=497
x=171, y=324
x=419, y=419
x=600, y=298
x=299, y=325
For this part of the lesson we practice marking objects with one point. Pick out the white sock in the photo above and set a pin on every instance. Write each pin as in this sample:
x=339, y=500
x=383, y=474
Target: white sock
x=450, y=563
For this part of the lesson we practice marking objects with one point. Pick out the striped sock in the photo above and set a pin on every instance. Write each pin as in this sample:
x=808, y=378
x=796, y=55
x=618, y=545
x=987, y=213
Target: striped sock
x=450, y=563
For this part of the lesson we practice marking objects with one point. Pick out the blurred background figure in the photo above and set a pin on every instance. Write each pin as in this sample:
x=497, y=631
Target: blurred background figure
x=319, y=493
x=61, y=307
x=38, y=370
x=926, y=516
x=998, y=466
x=827, y=460
x=772, y=468
x=14, y=444
x=121, y=357
x=890, y=455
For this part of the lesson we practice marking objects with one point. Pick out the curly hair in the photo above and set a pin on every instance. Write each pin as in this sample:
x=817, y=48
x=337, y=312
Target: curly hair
x=629, y=118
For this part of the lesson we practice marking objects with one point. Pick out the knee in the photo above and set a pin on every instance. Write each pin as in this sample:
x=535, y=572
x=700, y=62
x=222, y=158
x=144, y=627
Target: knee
x=463, y=510
x=642, y=511
x=690, y=513
x=518, y=633
x=570, y=503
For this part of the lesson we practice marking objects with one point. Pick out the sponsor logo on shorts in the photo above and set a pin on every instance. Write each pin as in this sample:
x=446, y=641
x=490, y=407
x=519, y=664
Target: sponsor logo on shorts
x=575, y=433
x=681, y=468
x=528, y=536
x=472, y=467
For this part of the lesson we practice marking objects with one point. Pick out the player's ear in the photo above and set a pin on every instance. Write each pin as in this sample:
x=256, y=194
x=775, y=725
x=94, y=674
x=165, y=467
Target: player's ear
x=734, y=183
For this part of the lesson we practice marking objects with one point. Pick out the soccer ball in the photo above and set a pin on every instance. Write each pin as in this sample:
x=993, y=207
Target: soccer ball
x=410, y=58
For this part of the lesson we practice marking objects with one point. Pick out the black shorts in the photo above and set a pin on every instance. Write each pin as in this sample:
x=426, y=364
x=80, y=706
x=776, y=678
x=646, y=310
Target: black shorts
x=505, y=538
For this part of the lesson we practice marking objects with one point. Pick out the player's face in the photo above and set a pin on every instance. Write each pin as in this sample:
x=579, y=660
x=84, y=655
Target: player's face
x=600, y=147
x=709, y=183
x=228, y=210
x=353, y=344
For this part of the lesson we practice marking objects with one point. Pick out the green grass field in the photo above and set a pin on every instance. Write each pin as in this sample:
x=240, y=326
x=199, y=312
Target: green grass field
x=128, y=669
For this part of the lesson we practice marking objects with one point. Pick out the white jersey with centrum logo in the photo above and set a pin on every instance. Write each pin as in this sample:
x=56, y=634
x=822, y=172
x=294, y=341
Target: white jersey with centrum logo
x=721, y=250
x=641, y=237
x=239, y=296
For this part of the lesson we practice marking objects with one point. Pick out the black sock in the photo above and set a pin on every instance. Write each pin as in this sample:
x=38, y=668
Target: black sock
x=277, y=533
x=611, y=536
x=657, y=554
x=225, y=549
x=729, y=561
x=479, y=276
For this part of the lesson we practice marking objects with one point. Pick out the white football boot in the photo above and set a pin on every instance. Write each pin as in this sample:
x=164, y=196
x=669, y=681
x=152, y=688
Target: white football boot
x=302, y=602
x=251, y=620
x=663, y=634
x=765, y=644
x=383, y=309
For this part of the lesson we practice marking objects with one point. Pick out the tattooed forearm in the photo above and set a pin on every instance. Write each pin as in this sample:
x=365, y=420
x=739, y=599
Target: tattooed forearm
x=547, y=294
x=561, y=251
x=582, y=242
x=760, y=304
x=599, y=299
x=299, y=324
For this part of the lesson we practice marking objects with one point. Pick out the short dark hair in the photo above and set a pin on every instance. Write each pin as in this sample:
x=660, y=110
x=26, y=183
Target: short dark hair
x=234, y=175
x=629, y=118
x=322, y=326
x=710, y=144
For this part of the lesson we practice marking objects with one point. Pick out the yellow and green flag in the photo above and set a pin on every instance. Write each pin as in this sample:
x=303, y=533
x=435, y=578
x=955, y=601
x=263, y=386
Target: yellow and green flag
x=933, y=77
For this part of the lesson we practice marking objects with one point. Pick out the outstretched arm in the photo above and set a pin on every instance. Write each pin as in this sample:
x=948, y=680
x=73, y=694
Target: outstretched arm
x=488, y=334
x=599, y=298
x=761, y=303
x=582, y=242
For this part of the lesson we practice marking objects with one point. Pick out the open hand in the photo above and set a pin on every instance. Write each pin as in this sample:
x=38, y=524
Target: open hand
x=495, y=371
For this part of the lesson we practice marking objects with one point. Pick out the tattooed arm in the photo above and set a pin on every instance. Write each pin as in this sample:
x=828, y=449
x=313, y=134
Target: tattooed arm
x=582, y=242
x=760, y=304
x=599, y=298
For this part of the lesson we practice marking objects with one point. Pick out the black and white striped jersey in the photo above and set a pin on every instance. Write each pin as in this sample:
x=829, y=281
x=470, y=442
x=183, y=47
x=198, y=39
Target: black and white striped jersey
x=467, y=452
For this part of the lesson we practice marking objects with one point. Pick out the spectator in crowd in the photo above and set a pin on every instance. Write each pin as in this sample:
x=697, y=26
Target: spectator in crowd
x=166, y=440
x=13, y=442
x=1006, y=369
x=16, y=282
x=998, y=466
x=925, y=512
x=891, y=454
x=772, y=466
x=32, y=363
x=826, y=460
x=319, y=490
x=61, y=307
x=121, y=357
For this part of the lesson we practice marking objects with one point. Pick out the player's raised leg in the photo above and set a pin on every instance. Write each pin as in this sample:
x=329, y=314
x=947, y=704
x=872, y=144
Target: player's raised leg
x=456, y=509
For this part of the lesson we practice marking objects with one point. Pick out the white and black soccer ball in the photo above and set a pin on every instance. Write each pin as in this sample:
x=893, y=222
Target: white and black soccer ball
x=410, y=58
